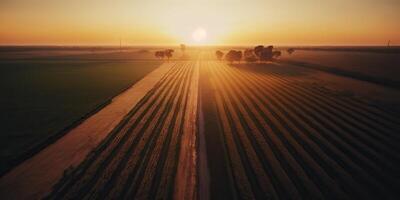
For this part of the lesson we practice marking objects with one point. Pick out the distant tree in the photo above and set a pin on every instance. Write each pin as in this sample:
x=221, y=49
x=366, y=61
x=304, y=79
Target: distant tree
x=219, y=54
x=266, y=54
x=247, y=52
x=276, y=54
x=258, y=49
x=183, y=48
x=168, y=53
x=233, y=56
x=159, y=54
x=238, y=56
x=230, y=56
x=249, y=55
x=290, y=51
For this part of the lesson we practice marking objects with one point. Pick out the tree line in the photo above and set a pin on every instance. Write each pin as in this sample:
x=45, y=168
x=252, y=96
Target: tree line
x=164, y=53
x=258, y=53
x=168, y=53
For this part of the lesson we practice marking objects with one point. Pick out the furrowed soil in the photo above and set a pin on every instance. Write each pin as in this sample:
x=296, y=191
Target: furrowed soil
x=141, y=157
x=286, y=139
x=212, y=130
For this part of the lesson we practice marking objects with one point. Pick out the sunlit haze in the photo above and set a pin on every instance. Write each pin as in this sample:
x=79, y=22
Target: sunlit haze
x=221, y=22
x=199, y=35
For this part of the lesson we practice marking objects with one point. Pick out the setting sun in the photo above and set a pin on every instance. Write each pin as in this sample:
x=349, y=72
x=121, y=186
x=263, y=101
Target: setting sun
x=199, y=35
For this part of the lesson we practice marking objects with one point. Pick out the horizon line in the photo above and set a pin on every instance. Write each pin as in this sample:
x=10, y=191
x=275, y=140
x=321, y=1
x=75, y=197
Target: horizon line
x=197, y=45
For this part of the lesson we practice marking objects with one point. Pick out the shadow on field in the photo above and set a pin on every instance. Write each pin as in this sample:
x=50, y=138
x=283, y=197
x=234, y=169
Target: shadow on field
x=271, y=69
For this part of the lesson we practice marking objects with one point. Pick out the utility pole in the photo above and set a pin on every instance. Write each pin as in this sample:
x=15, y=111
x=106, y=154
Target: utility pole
x=388, y=44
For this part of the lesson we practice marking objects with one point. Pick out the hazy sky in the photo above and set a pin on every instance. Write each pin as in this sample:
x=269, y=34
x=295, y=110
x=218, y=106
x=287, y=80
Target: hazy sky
x=279, y=22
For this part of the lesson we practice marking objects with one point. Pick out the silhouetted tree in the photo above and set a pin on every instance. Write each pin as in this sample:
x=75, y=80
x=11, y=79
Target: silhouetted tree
x=248, y=52
x=249, y=55
x=258, y=49
x=219, y=54
x=276, y=54
x=159, y=54
x=233, y=55
x=168, y=53
x=290, y=51
x=266, y=54
x=230, y=56
x=238, y=56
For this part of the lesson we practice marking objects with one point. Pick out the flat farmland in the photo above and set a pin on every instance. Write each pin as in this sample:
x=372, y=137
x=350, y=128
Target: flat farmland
x=370, y=66
x=285, y=139
x=143, y=156
x=41, y=98
x=208, y=129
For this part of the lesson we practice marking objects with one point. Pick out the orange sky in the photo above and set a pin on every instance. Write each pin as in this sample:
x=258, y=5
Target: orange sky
x=227, y=22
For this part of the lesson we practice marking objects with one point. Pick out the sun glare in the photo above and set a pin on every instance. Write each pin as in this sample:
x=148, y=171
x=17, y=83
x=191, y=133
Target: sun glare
x=199, y=35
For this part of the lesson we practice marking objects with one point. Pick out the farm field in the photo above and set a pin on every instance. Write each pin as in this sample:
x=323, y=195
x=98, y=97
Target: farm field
x=208, y=129
x=61, y=53
x=286, y=139
x=140, y=157
x=41, y=98
x=378, y=66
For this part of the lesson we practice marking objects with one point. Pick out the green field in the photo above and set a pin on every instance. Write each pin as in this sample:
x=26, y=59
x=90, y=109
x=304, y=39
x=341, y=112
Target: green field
x=40, y=99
